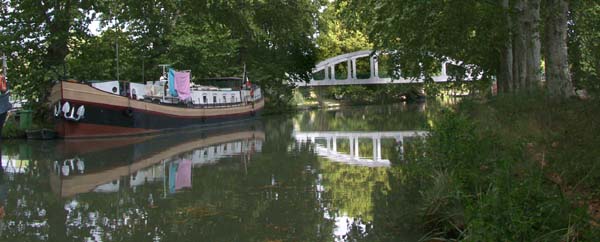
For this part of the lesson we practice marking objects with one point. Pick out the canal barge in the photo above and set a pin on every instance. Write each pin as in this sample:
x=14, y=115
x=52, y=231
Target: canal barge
x=114, y=108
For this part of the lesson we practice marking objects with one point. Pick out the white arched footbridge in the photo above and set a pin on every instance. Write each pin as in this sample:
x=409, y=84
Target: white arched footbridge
x=324, y=73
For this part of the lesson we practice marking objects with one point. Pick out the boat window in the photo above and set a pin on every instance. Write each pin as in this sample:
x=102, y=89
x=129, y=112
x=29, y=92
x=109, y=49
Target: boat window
x=204, y=99
x=224, y=98
x=214, y=99
x=114, y=89
x=232, y=98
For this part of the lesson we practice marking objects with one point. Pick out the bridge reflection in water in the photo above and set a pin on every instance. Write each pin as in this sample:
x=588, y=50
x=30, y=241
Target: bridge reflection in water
x=330, y=149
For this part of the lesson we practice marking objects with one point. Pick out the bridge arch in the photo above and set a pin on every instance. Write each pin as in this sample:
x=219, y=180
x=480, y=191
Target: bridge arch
x=326, y=71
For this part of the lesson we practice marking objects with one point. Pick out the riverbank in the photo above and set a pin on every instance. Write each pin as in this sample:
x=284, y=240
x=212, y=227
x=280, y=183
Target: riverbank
x=512, y=168
x=354, y=95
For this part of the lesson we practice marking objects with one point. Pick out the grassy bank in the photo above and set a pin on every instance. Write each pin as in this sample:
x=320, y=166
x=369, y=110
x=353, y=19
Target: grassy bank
x=513, y=168
x=13, y=128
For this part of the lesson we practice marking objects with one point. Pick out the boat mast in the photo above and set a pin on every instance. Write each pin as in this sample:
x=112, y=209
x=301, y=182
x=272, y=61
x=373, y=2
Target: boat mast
x=244, y=75
x=164, y=69
x=4, y=70
x=117, y=52
x=4, y=64
x=116, y=41
x=242, y=84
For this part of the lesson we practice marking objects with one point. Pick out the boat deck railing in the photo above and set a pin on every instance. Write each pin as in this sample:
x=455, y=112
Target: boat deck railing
x=205, y=105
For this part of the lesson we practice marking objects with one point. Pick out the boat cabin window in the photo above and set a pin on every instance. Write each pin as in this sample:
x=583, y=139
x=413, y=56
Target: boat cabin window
x=232, y=98
x=204, y=99
x=214, y=99
x=224, y=98
x=114, y=89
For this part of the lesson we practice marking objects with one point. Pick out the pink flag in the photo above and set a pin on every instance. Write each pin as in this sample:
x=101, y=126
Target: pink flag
x=184, y=175
x=182, y=84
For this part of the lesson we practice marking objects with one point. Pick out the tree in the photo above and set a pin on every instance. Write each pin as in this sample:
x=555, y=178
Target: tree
x=336, y=37
x=557, y=68
x=51, y=41
x=495, y=39
x=584, y=44
x=39, y=36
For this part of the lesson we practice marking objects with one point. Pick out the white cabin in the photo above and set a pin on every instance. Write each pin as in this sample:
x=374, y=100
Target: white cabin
x=200, y=95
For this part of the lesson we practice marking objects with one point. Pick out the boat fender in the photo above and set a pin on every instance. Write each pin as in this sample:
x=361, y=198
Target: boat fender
x=80, y=113
x=57, y=110
x=80, y=165
x=66, y=107
x=56, y=167
x=65, y=168
x=72, y=115
x=128, y=112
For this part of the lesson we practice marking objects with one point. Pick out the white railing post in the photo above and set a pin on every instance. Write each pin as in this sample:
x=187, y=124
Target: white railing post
x=349, y=69
x=354, y=68
x=357, y=148
x=334, y=144
x=332, y=77
x=351, y=142
x=374, y=149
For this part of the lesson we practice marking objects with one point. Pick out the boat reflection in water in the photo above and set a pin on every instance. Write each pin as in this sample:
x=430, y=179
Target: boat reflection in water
x=153, y=159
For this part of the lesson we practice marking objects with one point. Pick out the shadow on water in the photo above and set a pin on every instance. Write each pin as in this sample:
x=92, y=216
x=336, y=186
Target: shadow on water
x=252, y=181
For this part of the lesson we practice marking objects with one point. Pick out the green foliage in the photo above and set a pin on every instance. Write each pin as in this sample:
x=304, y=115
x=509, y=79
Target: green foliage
x=37, y=38
x=51, y=42
x=11, y=128
x=584, y=45
x=485, y=171
x=418, y=33
x=363, y=118
x=351, y=187
x=373, y=94
x=336, y=37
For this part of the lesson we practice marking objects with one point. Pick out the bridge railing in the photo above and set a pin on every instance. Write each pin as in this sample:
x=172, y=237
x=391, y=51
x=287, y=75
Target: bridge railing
x=350, y=69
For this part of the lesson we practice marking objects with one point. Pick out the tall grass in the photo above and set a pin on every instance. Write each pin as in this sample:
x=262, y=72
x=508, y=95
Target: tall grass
x=507, y=169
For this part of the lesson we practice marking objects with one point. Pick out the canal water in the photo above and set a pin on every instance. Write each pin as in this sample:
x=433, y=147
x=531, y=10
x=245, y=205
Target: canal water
x=319, y=175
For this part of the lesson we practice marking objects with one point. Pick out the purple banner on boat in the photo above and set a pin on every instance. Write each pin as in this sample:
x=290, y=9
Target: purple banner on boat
x=182, y=84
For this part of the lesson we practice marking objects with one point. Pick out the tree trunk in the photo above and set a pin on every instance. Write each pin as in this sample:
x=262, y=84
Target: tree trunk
x=555, y=40
x=534, y=55
x=59, y=20
x=505, y=75
x=526, y=44
x=519, y=46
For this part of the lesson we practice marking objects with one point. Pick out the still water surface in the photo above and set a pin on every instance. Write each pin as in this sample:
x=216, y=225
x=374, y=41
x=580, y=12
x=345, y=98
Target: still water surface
x=325, y=175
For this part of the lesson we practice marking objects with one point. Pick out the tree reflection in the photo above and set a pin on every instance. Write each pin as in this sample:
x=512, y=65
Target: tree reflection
x=272, y=190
